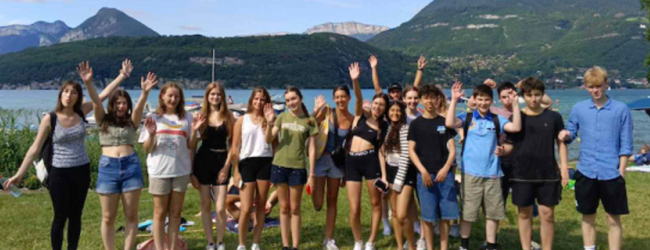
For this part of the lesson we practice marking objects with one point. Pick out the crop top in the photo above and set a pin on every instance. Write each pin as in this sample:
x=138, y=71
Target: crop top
x=117, y=136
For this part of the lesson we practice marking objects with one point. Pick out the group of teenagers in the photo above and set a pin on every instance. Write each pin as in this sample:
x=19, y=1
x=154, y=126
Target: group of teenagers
x=399, y=150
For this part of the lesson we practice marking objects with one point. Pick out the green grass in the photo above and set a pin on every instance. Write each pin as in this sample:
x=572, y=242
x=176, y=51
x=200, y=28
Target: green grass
x=25, y=223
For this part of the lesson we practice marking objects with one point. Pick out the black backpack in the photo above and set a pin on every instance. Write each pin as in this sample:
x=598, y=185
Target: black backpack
x=47, y=150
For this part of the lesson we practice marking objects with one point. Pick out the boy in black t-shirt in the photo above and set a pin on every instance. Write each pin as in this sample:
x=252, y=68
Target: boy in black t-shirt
x=432, y=151
x=535, y=173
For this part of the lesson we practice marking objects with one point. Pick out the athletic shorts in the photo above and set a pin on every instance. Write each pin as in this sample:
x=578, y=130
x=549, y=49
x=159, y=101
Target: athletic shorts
x=360, y=165
x=255, y=168
x=411, y=175
x=548, y=194
x=612, y=193
x=207, y=165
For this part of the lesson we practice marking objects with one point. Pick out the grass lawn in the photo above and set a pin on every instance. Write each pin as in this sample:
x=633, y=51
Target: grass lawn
x=25, y=223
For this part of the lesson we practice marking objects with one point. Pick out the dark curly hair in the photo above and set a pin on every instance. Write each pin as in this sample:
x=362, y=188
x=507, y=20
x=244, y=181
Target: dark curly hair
x=392, y=142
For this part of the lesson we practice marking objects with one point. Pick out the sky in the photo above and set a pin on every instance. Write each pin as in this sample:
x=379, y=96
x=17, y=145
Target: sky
x=218, y=18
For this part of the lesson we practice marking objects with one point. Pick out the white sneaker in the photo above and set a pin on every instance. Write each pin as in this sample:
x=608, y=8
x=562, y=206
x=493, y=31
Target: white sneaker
x=535, y=246
x=221, y=246
x=461, y=248
x=454, y=231
x=369, y=246
x=241, y=247
x=210, y=247
x=406, y=245
x=330, y=245
x=421, y=244
x=358, y=245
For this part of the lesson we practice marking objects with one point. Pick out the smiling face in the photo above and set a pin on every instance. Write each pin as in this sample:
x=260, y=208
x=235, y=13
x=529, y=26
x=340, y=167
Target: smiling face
x=171, y=99
x=483, y=103
x=412, y=100
x=430, y=103
x=378, y=107
x=215, y=97
x=258, y=101
x=121, y=106
x=395, y=94
x=395, y=113
x=341, y=99
x=69, y=96
x=294, y=102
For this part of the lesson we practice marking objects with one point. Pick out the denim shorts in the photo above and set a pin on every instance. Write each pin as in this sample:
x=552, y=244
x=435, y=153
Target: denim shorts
x=119, y=175
x=290, y=176
x=440, y=199
x=325, y=167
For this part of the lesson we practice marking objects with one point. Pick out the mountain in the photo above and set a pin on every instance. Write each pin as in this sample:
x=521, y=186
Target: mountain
x=360, y=31
x=308, y=61
x=18, y=37
x=510, y=39
x=107, y=22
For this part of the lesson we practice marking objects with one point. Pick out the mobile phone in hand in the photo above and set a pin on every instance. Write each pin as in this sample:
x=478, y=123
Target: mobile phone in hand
x=241, y=184
x=382, y=186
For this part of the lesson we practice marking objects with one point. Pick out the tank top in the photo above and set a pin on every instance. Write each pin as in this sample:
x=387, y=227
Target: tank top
x=68, y=146
x=363, y=131
x=253, y=143
x=215, y=138
x=330, y=137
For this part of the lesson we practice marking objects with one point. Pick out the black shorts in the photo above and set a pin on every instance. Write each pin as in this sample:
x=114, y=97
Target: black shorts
x=548, y=194
x=255, y=168
x=207, y=165
x=361, y=165
x=233, y=190
x=411, y=175
x=611, y=192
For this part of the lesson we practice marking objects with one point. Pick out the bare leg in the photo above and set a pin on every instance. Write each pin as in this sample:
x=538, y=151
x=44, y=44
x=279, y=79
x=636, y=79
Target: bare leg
x=589, y=229
x=295, y=193
x=332, y=204
x=375, y=203
x=246, y=204
x=443, y=226
x=160, y=208
x=261, y=196
x=399, y=237
x=428, y=234
x=206, y=212
x=109, y=204
x=491, y=229
x=547, y=218
x=354, y=199
x=465, y=229
x=220, y=207
x=130, y=202
x=525, y=226
x=615, y=235
x=285, y=212
x=175, y=208
x=318, y=192
x=405, y=207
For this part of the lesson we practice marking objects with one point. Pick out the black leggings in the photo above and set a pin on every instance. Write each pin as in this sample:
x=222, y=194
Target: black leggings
x=68, y=190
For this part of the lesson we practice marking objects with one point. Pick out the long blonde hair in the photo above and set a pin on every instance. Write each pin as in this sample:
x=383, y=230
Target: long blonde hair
x=180, y=107
x=222, y=108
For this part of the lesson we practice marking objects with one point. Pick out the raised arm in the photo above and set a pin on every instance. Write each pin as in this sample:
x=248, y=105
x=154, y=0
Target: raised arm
x=146, y=85
x=125, y=72
x=32, y=153
x=86, y=74
x=271, y=129
x=375, y=76
x=197, y=125
x=457, y=92
x=358, y=102
x=515, y=125
x=422, y=62
x=320, y=112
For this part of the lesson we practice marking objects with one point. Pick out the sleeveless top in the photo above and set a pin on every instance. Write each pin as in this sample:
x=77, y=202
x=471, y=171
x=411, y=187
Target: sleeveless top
x=68, y=146
x=364, y=131
x=253, y=143
x=215, y=138
x=330, y=137
x=117, y=136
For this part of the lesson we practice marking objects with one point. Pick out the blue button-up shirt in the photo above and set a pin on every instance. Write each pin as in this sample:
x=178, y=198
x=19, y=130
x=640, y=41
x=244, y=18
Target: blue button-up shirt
x=481, y=141
x=606, y=135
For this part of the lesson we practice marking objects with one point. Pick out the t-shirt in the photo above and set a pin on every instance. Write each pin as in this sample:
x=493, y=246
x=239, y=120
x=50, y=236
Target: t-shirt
x=481, y=141
x=171, y=155
x=292, y=151
x=533, y=157
x=431, y=137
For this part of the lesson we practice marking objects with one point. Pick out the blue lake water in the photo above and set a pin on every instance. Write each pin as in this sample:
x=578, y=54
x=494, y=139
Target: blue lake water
x=43, y=100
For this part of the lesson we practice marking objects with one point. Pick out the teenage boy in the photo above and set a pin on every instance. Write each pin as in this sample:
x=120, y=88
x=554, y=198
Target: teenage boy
x=606, y=131
x=534, y=173
x=481, y=170
x=432, y=151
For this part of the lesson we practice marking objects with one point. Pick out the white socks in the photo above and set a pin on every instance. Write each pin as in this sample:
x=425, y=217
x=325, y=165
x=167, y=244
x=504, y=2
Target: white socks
x=590, y=248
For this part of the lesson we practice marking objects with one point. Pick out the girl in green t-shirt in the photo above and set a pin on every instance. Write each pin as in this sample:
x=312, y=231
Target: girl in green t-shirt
x=292, y=130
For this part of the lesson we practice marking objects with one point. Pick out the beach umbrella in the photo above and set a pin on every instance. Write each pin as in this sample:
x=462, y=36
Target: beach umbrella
x=641, y=104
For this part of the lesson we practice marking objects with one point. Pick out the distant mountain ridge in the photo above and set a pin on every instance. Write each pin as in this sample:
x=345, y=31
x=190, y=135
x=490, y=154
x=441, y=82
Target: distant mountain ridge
x=514, y=38
x=107, y=22
x=360, y=31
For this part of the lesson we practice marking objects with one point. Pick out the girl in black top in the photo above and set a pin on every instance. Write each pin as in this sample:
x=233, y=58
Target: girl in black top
x=369, y=130
x=212, y=162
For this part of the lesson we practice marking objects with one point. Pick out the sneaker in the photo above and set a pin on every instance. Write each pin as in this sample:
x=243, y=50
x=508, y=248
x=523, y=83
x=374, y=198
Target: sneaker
x=406, y=245
x=454, y=231
x=358, y=245
x=369, y=246
x=241, y=247
x=330, y=245
x=462, y=248
x=535, y=246
x=421, y=245
x=210, y=247
x=486, y=247
x=221, y=246
x=255, y=246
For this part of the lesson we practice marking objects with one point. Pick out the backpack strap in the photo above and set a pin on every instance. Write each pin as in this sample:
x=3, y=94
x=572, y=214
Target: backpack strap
x=497, y=126
x=336, y=128
x=466, y=124
x=50, y=138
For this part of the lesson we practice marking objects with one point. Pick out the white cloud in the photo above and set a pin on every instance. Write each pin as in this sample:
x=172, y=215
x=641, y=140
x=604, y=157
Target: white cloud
x=190, y=28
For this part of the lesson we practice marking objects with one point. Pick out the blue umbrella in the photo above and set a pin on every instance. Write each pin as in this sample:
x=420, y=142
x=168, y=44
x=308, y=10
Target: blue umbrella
x=641, y=104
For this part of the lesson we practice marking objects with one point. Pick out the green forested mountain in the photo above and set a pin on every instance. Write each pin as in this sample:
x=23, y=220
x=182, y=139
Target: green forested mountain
x=310, y=61
x=509, y=38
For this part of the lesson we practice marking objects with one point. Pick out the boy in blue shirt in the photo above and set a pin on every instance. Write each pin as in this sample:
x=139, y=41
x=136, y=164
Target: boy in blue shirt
x=481, y=168
x=606, y=131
